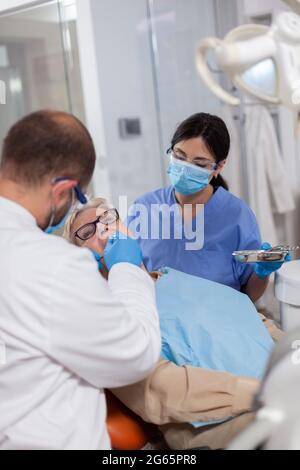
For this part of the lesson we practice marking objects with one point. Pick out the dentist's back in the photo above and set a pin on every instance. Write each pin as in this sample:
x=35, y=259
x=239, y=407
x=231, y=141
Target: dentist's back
x=68, y=333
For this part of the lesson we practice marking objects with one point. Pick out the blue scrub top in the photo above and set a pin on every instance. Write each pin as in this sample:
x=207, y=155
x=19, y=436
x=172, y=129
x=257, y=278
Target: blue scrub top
x=229, y=225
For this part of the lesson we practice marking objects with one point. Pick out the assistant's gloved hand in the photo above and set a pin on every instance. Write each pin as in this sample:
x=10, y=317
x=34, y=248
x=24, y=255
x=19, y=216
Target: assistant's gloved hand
x=122, y=249
x=263, y=270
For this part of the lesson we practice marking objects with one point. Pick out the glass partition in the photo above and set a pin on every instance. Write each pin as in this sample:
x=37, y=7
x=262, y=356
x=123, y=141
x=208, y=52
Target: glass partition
x=38, y=54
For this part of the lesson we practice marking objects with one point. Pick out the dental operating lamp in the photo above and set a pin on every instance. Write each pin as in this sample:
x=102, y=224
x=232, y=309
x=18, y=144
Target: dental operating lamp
x=262, y=61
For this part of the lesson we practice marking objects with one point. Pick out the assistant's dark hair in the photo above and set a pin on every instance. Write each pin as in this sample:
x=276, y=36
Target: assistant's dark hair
x=48, y=144
x=213, y=131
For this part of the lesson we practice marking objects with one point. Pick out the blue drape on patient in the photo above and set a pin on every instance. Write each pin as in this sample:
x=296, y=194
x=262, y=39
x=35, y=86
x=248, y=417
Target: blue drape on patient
x=209, y=325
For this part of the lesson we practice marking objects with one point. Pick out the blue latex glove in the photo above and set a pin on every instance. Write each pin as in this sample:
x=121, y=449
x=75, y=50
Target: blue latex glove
x=98, y=259
x=263, y=270
x=122, y=249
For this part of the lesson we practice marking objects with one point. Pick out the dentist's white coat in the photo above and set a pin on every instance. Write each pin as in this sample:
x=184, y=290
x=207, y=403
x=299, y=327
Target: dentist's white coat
x=69, y=334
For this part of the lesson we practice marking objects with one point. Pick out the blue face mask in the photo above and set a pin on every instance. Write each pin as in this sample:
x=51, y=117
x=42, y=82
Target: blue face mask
x=55, y=228
x=82, y=199
x=187, y=178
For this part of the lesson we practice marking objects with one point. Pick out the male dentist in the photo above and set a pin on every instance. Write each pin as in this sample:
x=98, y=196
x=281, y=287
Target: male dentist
x=68, y=333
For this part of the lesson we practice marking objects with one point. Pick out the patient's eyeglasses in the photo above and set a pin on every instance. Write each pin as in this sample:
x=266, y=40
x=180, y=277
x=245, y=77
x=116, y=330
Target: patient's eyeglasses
x=87, y=231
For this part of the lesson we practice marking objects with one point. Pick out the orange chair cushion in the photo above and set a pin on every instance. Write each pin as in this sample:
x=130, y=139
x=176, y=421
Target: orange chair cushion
x=126, y=430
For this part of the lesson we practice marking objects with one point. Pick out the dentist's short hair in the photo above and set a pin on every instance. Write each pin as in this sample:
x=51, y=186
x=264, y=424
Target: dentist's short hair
x=48, y=144
x=98, y=203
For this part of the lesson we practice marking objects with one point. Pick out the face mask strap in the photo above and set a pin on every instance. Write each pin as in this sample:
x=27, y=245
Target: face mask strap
x=79, y=196
x=51, y=219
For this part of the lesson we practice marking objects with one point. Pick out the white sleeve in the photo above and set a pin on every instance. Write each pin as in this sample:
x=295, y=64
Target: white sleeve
x=105, y=332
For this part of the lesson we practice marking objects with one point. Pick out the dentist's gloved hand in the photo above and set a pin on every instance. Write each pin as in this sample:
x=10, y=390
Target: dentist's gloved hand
x=122, y=249
x=263, y=270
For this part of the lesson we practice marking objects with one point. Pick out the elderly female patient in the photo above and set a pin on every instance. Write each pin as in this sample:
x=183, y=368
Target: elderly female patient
x=214, y=350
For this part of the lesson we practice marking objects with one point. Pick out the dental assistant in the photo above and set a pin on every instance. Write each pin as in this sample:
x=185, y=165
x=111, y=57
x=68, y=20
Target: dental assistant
x=68, y=334
x=198, y=153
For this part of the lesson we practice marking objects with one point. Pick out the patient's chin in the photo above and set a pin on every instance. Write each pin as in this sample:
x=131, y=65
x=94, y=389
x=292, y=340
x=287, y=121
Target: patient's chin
x=96, y=245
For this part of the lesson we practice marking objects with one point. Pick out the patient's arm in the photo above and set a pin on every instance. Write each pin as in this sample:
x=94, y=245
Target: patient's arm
x=174, y=394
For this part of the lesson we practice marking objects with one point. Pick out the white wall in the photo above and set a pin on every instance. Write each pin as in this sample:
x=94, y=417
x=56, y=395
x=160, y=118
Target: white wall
x=13, y=4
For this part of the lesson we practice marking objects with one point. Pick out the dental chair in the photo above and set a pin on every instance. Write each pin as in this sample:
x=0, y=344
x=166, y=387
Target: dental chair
x=127, y=431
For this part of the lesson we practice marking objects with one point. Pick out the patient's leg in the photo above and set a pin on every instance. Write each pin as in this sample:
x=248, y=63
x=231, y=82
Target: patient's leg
x=174, y=394
x=184, y=436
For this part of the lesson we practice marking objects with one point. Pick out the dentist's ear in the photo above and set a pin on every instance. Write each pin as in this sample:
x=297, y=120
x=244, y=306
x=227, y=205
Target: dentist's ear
x=61, y=191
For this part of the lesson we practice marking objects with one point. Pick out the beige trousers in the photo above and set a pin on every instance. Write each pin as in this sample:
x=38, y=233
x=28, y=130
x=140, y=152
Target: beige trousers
x=173, y=396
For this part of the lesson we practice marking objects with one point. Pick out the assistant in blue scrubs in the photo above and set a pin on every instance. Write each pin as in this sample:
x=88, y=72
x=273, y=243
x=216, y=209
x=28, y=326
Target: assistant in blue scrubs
x=229, y=225
x=198, y=153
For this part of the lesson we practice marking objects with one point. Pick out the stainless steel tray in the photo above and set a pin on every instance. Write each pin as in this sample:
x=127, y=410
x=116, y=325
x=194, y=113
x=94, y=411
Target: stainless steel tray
x=277, y=253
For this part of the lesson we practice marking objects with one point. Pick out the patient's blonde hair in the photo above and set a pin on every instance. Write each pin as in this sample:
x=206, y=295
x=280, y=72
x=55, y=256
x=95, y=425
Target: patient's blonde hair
x=98, y=203
x=101, y=204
